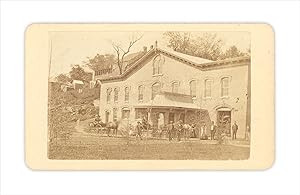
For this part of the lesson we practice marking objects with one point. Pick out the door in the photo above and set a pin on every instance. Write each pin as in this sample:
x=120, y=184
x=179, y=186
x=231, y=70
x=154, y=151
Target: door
x=171, y=117
x=125, y=113
x=182, y=117
x=224, y=121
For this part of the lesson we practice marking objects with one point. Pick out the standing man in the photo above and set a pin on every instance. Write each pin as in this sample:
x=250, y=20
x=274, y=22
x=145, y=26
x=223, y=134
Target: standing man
x=139, y=130
x=203, y=131
x=212, y=130
x=179, y=130
x=170, y=130
x=234, y=130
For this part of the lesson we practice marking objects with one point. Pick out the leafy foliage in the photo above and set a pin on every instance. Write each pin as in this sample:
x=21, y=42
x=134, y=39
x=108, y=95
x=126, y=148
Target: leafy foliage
x=78, y=73
x=99, y=62
x=67, y=107
x=232, y=52
x=207, y=46
x=62, y=78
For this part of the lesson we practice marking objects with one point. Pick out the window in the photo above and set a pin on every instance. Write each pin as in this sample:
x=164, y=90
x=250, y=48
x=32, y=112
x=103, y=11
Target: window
x=175, y=86
x=224, y=87
x=116, y=95
x=125, y=113
x=193, y=88
x=141, y=93
x=207, y=88
x=126, y=99
x=158, y=61
x=108, y=95
x=115, y=114
x=155, y=89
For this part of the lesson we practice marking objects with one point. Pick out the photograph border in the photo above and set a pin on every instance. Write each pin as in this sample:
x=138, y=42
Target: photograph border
x=262, y=100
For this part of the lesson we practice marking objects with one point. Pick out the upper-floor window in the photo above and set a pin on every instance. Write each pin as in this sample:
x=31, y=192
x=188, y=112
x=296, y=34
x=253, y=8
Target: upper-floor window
x=108, y=95
x=116, y=94
x=126, y=98
x=207, y=88
x=141, y=93
x=155, y=89
x=158, y=61
x=193, y=88
x=175, y=86
x=224, y=87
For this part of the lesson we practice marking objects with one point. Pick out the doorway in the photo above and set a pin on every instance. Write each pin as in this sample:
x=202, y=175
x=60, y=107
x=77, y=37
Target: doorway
x=224, y=120
x=171, y=117
x=182, y=117
x=125, y=113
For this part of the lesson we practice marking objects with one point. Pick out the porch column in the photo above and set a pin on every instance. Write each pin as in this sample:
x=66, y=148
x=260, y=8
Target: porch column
x=148, y=114
x=148, y=118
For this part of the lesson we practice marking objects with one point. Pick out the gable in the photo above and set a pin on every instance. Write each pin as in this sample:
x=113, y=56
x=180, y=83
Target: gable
x=183, y=59
x=171, y=69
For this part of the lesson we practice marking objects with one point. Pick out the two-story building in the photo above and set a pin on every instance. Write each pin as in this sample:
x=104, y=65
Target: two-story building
x=164, y=85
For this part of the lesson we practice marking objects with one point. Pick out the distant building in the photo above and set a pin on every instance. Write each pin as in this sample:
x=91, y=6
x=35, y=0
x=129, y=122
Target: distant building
x=78, y=85
x=164, y=85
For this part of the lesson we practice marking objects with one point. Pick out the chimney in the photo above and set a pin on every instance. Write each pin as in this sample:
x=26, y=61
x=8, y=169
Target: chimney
x=145, y=49
x=155, y=44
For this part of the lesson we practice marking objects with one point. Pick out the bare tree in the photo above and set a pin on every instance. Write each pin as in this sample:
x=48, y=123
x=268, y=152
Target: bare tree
x=121, y=53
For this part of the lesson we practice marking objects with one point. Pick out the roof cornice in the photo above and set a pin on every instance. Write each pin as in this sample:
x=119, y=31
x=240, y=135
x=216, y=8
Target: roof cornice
x=232, y=62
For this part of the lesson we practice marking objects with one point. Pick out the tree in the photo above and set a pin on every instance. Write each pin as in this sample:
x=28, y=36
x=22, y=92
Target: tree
x=62, y=78
x=99, y=62
x=121, y=53
x=178, y=41
x=207, y=46
x=78, y=73
x=232, y=52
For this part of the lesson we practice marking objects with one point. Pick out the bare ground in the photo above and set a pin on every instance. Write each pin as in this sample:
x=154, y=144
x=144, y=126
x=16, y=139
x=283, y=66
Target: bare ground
x=86, y=146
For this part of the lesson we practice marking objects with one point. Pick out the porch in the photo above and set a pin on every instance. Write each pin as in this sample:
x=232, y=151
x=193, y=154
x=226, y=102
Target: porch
x=167, y=107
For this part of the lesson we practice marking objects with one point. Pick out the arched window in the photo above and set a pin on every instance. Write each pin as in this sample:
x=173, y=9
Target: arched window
x=108, y=95
x=141, y=93
x=126, y=98
x=158, y=61
x=207, y=88
x=193, y=88
x=116, y=94
x=155, y=89
x=175, y=86
x=224, y=87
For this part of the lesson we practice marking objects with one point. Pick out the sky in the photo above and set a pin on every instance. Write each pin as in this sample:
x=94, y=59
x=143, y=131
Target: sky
x=74, y=47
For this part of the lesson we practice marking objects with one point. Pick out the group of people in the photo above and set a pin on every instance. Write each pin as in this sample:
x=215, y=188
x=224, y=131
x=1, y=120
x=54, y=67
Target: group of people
x=188, y=130
x=215, y=129
x=178, y=130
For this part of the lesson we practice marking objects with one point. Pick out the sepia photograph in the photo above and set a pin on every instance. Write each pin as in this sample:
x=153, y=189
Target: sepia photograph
x=149, y=95
x=142, y=97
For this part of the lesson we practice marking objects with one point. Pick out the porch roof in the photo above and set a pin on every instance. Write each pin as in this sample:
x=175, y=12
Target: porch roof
x=170, y=100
